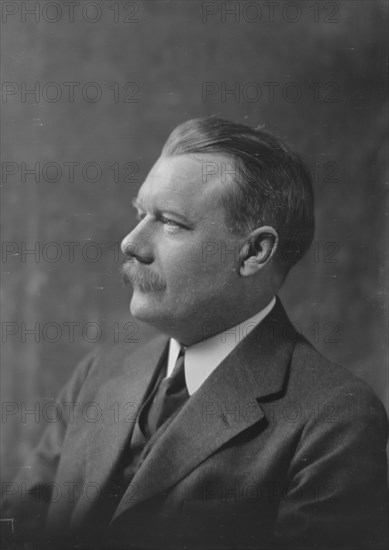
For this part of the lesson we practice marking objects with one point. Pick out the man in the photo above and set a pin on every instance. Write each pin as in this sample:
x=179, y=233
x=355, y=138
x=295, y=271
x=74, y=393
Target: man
x=228, y=430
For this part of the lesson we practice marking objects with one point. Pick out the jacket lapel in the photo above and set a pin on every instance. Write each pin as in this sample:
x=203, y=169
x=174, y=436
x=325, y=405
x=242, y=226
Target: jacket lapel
x=119, y=400
x=225, y=405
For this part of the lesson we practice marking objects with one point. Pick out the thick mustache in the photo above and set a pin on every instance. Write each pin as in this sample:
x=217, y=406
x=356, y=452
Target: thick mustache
x=136, y=274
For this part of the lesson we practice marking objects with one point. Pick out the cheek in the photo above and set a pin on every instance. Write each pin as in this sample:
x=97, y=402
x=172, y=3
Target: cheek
x=199, y=261
x=192, y=271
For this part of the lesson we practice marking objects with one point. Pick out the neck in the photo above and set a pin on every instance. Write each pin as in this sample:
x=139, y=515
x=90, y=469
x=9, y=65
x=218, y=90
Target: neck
x=209, y=326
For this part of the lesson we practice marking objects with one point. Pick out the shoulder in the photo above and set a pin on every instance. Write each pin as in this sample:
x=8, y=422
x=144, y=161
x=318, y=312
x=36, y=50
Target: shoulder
x=330, y=390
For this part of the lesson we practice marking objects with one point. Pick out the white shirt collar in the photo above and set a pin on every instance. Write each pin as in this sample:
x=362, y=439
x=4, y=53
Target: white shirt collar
x=202, y=359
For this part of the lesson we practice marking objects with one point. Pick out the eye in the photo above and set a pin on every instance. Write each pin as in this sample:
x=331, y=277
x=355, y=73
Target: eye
x=169, y=222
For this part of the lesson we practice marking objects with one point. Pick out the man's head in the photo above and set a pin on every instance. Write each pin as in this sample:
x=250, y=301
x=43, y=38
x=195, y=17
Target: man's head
x=225, y=212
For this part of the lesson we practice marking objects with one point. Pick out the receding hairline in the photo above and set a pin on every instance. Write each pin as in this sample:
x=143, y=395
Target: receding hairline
x=227, y=175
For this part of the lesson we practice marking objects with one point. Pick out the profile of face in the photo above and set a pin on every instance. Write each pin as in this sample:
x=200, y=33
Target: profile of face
x=182, y=259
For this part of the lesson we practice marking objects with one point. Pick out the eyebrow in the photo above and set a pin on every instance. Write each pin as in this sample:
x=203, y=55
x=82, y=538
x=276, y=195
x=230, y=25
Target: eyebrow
x=159, y=212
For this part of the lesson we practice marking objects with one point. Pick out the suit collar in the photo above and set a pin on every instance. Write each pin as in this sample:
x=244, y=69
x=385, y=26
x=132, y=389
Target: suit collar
x=225, y=405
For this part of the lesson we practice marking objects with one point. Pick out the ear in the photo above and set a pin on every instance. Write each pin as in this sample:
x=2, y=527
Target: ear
x=257, y=250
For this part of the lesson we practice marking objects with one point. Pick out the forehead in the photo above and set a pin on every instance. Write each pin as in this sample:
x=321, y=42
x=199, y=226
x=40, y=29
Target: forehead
x=188, y=181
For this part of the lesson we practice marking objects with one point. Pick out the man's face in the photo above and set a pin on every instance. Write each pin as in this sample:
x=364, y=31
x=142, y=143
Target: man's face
x=183, y=259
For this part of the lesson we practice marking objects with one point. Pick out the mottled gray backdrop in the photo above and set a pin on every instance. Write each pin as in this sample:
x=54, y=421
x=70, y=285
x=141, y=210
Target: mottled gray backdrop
x=90, y=92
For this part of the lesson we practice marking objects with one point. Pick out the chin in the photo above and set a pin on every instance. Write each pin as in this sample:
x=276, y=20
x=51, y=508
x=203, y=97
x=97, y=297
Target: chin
x=139, y=305
x=145, y=307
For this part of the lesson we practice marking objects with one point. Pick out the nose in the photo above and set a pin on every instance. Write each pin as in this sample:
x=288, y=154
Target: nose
x=137, y=244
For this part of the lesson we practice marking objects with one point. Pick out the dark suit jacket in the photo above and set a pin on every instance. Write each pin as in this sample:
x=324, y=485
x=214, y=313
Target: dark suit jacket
x=278, y=448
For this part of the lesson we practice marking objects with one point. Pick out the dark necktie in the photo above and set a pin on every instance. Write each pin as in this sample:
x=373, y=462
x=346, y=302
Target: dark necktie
x=170, y=396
